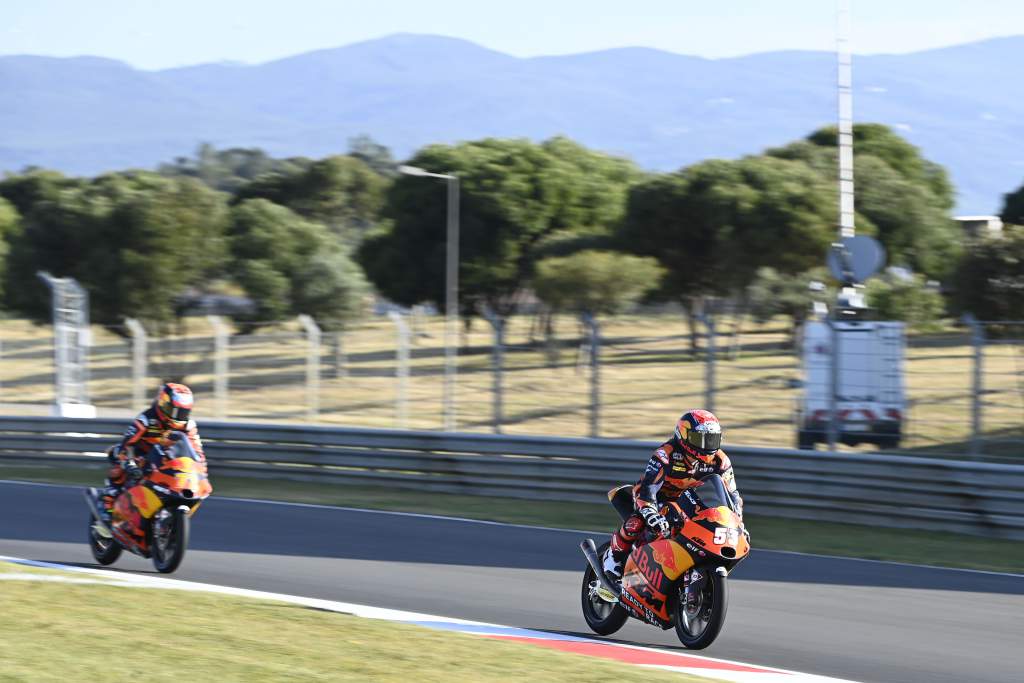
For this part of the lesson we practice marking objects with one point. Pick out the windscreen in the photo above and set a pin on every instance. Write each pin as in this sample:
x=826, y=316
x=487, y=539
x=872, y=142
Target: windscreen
x=712, y=493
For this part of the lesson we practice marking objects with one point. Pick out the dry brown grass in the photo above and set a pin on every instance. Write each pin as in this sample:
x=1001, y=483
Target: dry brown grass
x=647, y=377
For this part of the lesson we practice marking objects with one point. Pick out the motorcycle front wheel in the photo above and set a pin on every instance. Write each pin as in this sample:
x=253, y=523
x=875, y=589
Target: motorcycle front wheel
x=170, y=539
x=104, y=550
x=604, y=618
x=699, y=616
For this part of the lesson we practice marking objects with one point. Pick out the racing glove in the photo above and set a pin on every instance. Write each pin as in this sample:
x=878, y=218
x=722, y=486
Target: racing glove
x=131, y=468
x=655, y=519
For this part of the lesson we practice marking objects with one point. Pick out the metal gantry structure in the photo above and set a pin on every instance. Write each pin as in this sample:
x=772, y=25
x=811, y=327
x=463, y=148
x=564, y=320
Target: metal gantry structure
x=71, y=341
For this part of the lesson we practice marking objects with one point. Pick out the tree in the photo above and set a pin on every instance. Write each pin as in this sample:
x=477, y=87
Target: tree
x=714, y=224
x=9, y=225
x=901, y=198
x=1013, y=207
x=771, y=293
x=32, y=186
x=341, y=192
x=289, y=265
x=230, y=169
x=595, y=282
x=990, y=276
x=373, y=154
x=135, y=241
x=907, y=297
x=517, y=197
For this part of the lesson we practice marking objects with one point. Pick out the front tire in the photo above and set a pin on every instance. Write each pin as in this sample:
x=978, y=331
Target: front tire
x=604, y=618
x=169, y=546
x=104, y=550
x=699, y=621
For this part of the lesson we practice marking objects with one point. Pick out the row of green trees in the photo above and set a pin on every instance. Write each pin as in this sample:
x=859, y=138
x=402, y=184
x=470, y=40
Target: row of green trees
x=581, y=230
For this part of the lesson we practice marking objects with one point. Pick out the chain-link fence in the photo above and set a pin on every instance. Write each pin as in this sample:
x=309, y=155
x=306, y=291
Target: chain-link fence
x=958, y=391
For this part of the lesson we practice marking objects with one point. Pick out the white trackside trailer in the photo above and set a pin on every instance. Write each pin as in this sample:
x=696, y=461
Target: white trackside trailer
x=870, y=402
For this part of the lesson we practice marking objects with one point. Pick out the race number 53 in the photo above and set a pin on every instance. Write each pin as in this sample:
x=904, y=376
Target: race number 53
x=726, y=536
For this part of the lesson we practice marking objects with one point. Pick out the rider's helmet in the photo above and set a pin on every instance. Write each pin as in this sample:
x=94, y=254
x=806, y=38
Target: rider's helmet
x=699, y=435
x=173, y=404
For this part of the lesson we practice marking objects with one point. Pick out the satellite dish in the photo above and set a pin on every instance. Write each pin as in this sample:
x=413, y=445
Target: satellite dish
x=854, y=259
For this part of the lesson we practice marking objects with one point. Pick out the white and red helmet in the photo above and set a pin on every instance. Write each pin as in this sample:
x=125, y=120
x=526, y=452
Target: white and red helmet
x=173, y=404
x=699, y=434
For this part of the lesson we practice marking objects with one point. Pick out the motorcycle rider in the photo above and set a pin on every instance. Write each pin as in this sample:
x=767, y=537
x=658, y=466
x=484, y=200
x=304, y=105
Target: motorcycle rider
x=692, y=453
x=163, y=423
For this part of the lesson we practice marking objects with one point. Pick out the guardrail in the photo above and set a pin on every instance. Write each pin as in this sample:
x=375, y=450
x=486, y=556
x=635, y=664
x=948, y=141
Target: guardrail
x=976, y=498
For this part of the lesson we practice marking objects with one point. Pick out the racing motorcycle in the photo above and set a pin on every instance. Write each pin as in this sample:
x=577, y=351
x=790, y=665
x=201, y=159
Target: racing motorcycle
x=151, y=516
x=678, y=580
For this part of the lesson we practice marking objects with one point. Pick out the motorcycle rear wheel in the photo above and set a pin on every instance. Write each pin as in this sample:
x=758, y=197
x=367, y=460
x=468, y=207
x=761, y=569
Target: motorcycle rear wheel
x=169, y=549
x=104, y=550
x=604, y=618
x=699, y=623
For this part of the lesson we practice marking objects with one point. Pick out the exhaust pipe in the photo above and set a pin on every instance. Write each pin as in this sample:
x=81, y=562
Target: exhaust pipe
x=90, y=499
x=590, y=552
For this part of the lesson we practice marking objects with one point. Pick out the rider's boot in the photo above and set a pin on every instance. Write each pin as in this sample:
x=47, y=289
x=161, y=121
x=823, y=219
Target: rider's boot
x=612, y=564
x=107, y=496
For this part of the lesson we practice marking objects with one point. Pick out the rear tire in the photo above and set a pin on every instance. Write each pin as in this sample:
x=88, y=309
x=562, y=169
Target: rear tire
x=698, y=627
x=603, y=618
x=169, y=552
x=104, y=550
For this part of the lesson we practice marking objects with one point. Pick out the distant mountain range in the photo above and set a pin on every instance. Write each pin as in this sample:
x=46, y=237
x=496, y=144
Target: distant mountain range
x=963, y=105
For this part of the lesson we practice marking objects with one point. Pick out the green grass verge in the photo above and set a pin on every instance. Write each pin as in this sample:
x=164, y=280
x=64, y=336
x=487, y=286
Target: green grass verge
x=61, y=632
x=827, y=538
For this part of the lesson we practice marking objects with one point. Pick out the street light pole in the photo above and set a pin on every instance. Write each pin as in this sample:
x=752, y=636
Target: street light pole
x=451, y=321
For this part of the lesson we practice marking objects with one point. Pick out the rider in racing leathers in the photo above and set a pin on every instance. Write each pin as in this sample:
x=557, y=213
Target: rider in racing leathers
x=681, y=462
x=156, y=426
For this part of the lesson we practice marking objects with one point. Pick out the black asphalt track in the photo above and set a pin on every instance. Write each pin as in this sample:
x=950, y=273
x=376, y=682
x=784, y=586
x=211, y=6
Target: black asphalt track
x=859, y=620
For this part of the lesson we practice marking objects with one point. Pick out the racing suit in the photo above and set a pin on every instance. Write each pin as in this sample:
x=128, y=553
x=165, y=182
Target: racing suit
x=669, y=472
x=130, y=455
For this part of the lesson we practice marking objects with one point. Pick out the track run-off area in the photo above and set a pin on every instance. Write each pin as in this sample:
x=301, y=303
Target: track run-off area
x=851, y=619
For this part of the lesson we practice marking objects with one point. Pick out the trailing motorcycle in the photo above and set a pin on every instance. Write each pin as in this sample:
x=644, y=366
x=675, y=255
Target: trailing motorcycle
x=151, y=516
x=674, y=581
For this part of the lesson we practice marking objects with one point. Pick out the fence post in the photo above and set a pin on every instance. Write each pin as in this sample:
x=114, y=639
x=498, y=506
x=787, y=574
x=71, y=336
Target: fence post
x=497, y=368
x=139, y=353
x=340, y=360
x=977, y=383
x=401, y=369
x=833, y=393
x=709, y=363
x=595, y=374
x=312, y=367
x=220, y=365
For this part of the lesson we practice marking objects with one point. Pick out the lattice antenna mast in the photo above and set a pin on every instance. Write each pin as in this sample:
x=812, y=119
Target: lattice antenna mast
x=70, y=344
x=844, y=88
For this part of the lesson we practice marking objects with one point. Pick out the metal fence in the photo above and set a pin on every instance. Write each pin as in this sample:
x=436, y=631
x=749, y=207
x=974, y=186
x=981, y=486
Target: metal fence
x=975, y=498
x=624, y=377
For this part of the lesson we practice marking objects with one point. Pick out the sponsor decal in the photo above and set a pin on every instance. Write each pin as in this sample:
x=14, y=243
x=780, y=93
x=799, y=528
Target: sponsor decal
x=650, y=570
x=694, y=549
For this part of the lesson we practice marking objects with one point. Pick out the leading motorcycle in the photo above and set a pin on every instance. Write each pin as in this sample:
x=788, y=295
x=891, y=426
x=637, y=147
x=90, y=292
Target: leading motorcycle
x=151, y=516
x=679, y=580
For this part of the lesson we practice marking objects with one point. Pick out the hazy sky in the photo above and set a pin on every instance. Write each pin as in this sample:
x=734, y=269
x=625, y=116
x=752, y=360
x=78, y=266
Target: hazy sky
x=156, y=34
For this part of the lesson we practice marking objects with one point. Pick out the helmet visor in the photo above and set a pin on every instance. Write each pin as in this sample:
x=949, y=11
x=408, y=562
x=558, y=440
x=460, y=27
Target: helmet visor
x=173, y=413
x=179, y=414
x=704, y=442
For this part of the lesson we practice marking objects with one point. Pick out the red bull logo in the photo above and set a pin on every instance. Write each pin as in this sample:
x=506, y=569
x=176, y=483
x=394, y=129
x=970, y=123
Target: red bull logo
x=710, y=514
x=649, y=569
x=664, y=554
